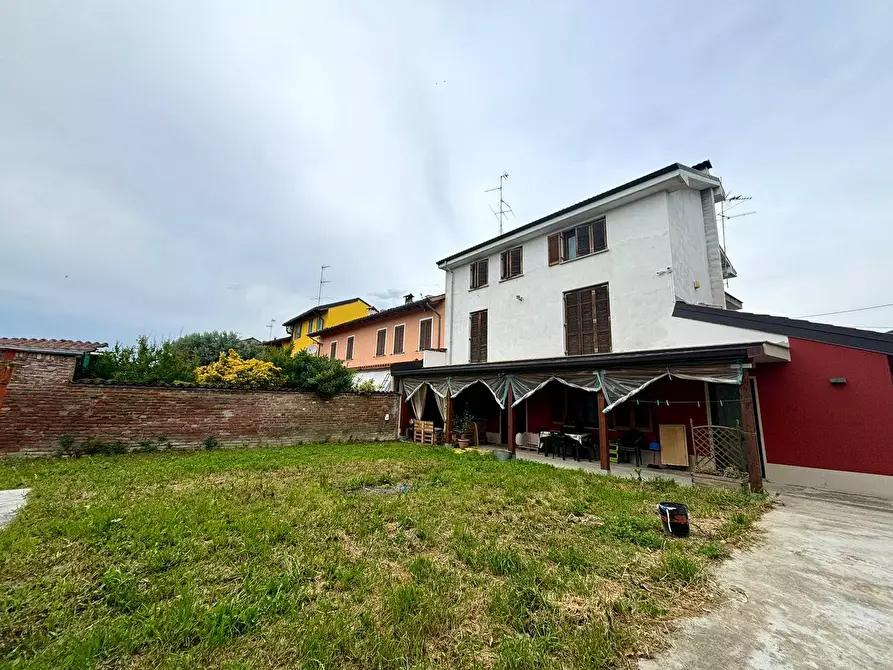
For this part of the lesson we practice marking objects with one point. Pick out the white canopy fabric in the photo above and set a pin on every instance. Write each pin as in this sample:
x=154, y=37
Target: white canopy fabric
x=524, y=386
x=497, y=385
x=621, y=385
x=417, y=399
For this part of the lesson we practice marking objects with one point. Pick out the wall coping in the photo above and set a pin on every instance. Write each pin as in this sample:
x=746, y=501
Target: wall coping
x=106, y=383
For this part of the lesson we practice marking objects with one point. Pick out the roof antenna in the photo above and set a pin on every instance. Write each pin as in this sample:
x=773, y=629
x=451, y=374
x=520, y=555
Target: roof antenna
x=270, y=326
x=322, y=281
x=504, y=207
x=723, y=217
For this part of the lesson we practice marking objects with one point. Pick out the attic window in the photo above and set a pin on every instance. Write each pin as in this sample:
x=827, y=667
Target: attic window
x=479, y=273
x=582, y=240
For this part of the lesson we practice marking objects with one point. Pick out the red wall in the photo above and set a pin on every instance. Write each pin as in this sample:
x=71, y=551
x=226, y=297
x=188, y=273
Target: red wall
x=809, y=422
x=41, y=405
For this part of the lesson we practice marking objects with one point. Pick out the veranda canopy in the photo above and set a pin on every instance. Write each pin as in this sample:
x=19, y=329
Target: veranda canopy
x=621, y=385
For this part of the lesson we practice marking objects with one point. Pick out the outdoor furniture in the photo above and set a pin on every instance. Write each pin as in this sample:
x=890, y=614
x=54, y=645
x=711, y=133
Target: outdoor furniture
x=550, y=442
x=578, y=444
x=527, y=441
x=630, y=445
x=423, y=432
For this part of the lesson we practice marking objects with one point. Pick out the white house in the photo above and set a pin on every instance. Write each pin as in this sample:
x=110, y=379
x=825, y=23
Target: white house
x=599, y=276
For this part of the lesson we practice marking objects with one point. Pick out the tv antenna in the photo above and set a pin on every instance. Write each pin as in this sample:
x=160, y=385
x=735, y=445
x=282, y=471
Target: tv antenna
x=322, y=282
x=270, y=326
x=504, y=207
x=737, y=200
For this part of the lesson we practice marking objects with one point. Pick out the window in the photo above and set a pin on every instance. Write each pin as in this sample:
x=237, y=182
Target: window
x=510, y=263
x=425, y=326
x=349, y=351
x=477, y=337
x=587, y=321
x=479, y=270
x=334, y=351
x=574, y=407
x=578, y=241
x=398, y=338
x=381, y=340
x=319, y=323
x=631, y=415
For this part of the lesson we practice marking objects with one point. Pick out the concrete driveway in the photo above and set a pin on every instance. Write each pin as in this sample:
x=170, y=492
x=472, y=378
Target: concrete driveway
x=10, y=501
x=817, y=592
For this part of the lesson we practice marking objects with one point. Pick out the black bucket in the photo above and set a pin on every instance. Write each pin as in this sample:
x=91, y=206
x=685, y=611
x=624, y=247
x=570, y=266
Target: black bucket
x=674, y=517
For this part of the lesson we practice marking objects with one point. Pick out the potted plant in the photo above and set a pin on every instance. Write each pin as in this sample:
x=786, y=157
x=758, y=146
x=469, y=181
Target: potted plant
x=463, y=424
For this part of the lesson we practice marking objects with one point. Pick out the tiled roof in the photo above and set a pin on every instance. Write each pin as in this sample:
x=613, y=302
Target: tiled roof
x=73, y=347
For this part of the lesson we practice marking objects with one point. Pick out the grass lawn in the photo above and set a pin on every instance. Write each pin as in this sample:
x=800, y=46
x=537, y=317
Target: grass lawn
x=313, y=557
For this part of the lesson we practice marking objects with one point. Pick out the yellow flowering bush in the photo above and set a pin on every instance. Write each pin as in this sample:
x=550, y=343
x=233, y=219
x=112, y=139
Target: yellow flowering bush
x=233, y=370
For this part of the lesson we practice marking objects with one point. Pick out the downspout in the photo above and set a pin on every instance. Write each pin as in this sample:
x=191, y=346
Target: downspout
x=449, y=299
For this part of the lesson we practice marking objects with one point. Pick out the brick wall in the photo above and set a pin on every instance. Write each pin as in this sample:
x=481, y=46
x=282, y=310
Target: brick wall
x=42, y=403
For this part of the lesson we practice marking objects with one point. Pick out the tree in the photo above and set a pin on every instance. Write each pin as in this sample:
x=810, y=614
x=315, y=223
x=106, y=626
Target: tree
x=207, y=347
x=233, y=370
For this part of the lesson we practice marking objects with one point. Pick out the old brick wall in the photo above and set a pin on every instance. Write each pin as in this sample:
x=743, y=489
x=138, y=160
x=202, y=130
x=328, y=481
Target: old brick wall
x=42, y=404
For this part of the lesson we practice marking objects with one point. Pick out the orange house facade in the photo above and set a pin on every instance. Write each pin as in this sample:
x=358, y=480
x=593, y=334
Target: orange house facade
x=397, y=335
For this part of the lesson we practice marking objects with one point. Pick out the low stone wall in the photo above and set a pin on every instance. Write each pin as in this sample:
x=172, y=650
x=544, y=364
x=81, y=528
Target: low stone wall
x=39, y=404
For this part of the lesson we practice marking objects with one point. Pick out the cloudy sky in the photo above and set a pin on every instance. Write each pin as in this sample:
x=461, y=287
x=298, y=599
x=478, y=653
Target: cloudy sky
x=169, y=167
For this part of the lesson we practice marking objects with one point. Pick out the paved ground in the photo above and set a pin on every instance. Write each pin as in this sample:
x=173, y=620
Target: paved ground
x=10, y=501
x=816, y=593
x=617, y=469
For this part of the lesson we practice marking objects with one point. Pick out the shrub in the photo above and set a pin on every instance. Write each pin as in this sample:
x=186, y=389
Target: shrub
x=364, y=386
x=302, y=371
x=145, y=362
x=211, y=443
x=231, y=369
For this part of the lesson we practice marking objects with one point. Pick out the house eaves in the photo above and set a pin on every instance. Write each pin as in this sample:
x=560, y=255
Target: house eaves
x=322, y=308
x=855, y=338
x=424, y=304
x=674, y=175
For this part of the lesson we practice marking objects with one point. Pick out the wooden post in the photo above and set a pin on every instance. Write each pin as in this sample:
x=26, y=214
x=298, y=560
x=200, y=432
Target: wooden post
x=749, y=424
x=604, y=456
x=510, y=398
x=448, y=428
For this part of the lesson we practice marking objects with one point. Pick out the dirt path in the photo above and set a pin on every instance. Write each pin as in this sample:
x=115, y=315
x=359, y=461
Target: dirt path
x=817, y=593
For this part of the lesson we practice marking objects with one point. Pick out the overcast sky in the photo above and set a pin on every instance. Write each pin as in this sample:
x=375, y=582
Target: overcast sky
x=171, y=167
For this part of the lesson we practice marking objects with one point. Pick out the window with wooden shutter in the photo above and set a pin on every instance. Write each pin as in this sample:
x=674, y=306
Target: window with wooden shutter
x=587, y=321
x=425, y=327
x=511, y=263
x=479, y=273
x=398, y=338
x=602, y=318
x=348, y=354
x=477, y=339
x=582, y=240
x=381, y=340
x=333, y=351
x=554, y=249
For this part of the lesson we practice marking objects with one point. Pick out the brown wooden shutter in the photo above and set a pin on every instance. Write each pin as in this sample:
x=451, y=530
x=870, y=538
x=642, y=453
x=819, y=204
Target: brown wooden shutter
x=380, y=341
x=572, y=340
x=599, y=235
x=472, y=282
x=477, y=340
x=555, y=249
x=516, y=260
x=333, y=352
x=587, y=321
x=398, y=338
x=602, y=318
x=503, y=265
x=483, y=267
x=425, y=334
x=349, y=352
x=584, y=239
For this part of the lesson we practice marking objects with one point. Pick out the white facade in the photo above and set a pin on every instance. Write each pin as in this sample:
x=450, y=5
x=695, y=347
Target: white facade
x=657, y=252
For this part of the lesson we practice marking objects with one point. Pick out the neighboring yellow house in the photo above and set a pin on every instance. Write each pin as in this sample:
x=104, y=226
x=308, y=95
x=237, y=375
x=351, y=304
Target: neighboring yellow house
x=324, y=316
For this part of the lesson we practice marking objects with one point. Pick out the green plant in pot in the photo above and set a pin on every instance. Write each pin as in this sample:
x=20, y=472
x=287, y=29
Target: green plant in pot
x=463, y=424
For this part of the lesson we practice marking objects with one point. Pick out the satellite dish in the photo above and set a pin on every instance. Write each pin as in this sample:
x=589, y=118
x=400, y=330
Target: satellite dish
x=312, y=349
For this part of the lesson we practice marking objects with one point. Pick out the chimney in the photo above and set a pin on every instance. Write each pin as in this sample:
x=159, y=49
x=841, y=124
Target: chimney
x=703, y=166
x=408, y=298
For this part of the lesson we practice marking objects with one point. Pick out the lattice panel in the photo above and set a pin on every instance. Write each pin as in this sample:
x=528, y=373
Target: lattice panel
x=720, y=451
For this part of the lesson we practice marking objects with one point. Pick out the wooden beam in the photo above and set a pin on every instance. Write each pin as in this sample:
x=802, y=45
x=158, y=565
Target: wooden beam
x=749, y=424
x=448, y=428
x=604, y=456
x=511, y=410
